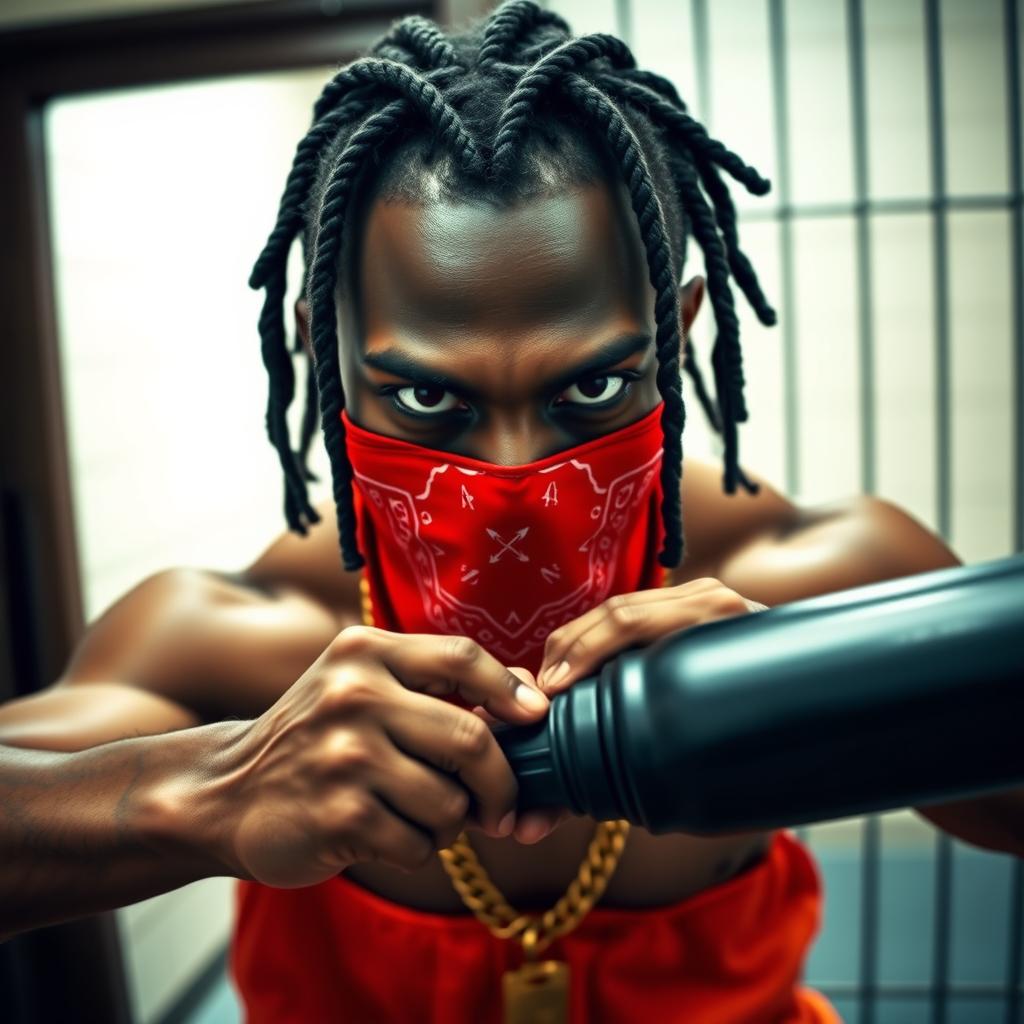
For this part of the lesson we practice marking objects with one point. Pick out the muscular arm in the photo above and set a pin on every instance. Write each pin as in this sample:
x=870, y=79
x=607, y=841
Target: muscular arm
x=99, y=828
x=107, y=776
x=784, y=553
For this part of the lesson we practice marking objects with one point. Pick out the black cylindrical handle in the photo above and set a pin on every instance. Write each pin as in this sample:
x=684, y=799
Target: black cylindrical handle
x=895, y=694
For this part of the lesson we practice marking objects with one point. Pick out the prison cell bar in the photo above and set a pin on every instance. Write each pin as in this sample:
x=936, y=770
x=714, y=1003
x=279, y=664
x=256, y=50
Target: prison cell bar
x=861, y=209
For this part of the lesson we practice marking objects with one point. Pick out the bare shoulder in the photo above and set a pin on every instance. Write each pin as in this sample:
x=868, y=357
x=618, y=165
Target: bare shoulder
x=310, y=565
x=221, y=643
x=716, y=524
x=769, y=549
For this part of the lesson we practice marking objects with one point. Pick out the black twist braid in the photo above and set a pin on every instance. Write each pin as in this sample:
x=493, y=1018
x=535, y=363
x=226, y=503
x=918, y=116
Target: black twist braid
x=675, y=120
x=656, y=83
x=497, y=75
x=647, y=207
x=368, y=139
x=706, y=154
x=521, y=105
x=270, y=269
x=300, y=177
x=323, y=317
x=739, y=264
x=377, y=71
x=424, y=40
x=700, y=389
x=309, y=423
x=665, y=88
x=726, y=356
x=419, y=90
x=269, y=272
x=310, y=408
x=512, y=22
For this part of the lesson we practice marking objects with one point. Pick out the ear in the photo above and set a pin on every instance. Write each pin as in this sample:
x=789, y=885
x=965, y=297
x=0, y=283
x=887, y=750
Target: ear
x=690, y=297
x=302, y=324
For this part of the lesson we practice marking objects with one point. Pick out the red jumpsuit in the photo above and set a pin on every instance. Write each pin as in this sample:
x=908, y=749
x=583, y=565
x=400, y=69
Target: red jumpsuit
x=730, y=954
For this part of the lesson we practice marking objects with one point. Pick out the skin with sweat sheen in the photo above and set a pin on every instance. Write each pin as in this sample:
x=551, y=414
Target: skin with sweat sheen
x=508, y=301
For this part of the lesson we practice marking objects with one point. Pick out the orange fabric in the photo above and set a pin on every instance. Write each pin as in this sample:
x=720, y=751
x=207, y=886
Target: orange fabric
x=730, y=954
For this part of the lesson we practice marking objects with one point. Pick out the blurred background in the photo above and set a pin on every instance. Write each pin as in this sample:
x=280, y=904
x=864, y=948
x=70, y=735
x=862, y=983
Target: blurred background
x=145, y=145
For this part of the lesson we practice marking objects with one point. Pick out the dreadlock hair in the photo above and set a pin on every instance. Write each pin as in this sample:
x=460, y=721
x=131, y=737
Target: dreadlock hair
x=509, y=108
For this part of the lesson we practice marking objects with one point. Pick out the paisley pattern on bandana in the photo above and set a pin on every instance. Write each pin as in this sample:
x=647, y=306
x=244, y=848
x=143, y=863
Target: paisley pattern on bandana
x=506, y=554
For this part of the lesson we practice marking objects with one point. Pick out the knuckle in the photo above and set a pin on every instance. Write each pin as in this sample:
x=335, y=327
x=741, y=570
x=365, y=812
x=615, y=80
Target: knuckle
x=461, y=650
x=578, y=651
x=346, y=690
x=470, y=736
x=621, y=612
x=347, y=753
x=355, y=814
x=452, y=808
x=698, y=586
x=729, y=602
x=353, y=640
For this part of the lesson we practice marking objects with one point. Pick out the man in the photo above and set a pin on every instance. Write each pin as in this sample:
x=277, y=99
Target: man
x=497, y=324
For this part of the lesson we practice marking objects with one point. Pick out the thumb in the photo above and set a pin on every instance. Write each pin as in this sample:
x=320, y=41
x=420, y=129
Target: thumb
x=526, y=675
x=522, y=673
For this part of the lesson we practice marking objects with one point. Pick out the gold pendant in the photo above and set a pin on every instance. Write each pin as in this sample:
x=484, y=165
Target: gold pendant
x=537, y=993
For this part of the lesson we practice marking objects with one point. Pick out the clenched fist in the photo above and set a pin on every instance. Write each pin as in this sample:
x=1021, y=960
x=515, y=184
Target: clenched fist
x=359, y=760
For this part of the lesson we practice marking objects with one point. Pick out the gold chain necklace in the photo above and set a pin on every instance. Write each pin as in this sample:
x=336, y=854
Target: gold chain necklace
x=538, y=991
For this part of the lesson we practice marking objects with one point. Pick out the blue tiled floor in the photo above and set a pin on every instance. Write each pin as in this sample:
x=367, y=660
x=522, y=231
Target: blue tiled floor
x=978, y=948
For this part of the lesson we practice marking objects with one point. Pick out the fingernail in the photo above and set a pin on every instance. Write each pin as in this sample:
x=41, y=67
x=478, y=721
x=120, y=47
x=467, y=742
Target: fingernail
x=557, y=674
x=534, y=832
x=507, y=824
x=530, y=698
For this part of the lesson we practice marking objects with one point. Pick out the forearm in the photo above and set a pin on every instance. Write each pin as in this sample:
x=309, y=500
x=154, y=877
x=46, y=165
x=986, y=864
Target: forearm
x=994, y=821
x=101, y=828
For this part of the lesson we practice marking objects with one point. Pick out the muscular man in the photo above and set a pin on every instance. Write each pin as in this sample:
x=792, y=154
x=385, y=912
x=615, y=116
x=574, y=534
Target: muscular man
x=253, y=724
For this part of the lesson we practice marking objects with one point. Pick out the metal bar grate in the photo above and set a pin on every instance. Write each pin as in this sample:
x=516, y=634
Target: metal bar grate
x=1014, y=114
x=862, y=208
x=881, y=207
x=701, y=60
x=938, y=995
x=858, y=120
x=1011, y=33
x=871, y=835
x=937, y=148
x=624, y=21
x=777, y=39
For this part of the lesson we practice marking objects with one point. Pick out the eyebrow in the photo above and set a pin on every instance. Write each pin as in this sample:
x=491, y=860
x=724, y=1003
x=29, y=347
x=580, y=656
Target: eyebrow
x=392, y=360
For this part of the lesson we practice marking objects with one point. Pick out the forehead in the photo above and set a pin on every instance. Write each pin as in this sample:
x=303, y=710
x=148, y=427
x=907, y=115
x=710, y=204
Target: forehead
x=568, y=260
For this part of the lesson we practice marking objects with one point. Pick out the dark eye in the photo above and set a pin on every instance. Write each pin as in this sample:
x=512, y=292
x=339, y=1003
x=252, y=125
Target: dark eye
x=426, y=399
x=595, y=390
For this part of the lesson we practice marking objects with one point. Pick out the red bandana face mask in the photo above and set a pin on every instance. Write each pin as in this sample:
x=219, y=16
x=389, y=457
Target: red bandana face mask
x=506, y=554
